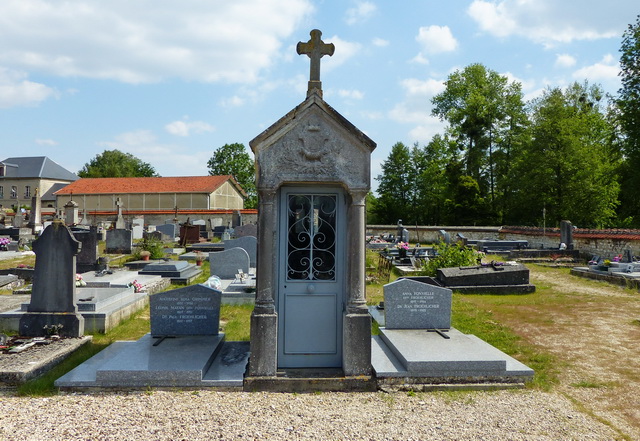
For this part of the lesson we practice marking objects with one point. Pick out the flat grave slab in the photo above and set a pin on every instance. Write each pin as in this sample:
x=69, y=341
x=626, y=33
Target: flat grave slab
x=186, y=361
x=178, y=271
x=419, y=353
x=119, y=278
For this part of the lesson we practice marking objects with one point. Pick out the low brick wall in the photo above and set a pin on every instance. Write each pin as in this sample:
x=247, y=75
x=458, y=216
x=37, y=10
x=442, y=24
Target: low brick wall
x=431, y=235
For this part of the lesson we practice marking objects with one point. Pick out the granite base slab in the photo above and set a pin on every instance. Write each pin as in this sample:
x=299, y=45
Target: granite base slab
x=420, y=354
x=187, y=361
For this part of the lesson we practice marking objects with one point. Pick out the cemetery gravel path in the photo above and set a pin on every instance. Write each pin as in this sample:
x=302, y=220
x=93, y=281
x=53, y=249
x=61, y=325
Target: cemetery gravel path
x=593, y=331
x=204, y=415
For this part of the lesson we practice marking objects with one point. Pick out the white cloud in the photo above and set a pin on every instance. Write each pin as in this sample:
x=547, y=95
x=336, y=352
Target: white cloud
x=344, y=51
x=166, y=159
x=186, y=128
x=550, y=22
x=46, y=142
x=420, y=59
x=350, y=94
x=605, y=70
x=361, y=12
x=379, y=42
x=17, y=90
x=148, y=40
x=436, y=39
x=565, y=60
x=415, y=109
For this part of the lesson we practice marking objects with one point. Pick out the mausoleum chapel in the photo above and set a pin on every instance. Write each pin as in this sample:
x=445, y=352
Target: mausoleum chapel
x=301, y=266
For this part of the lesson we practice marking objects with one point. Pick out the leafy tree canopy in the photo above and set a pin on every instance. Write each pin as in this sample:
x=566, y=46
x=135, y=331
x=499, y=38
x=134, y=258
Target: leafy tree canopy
x=233, y=159
x=116, y=164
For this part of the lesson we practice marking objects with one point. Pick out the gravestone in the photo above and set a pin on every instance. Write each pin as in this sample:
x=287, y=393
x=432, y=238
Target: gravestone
x=192, y=310
x=35, y=218
x=247, y=243
x=225, y=264
x=53, y=297
x=246, y=230
x=119, y=241
x=178, y=271
x=120, y=224
x=189, y=234
x=71, y=213
x=313, y=176
x=170, y=230
x=566, y=234
x=415, y=305
x=445, y=236
x=484, y=275
x=88, y=256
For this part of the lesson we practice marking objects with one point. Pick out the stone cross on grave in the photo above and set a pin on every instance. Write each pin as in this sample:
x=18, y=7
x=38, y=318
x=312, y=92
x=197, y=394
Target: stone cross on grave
x=315, y=49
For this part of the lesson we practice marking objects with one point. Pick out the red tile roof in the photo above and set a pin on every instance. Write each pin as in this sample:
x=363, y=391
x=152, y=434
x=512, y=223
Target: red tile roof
x=177, y=184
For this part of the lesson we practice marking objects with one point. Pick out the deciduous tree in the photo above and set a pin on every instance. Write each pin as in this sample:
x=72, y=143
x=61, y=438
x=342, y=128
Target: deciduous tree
x=116, y=164
x=233, y=159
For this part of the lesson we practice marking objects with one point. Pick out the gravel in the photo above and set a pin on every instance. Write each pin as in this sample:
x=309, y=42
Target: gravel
x=205, y=415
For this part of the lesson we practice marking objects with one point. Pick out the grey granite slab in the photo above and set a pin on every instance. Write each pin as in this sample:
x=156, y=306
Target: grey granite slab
x=192, y=310
x=415, y=305
x=426, y=354
x=189, y=361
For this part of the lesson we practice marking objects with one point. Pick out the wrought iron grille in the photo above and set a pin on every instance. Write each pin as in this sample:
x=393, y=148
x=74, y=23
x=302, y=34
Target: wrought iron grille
x=311, y=243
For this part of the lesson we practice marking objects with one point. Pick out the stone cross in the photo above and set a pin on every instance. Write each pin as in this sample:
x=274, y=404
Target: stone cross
x=315, y=49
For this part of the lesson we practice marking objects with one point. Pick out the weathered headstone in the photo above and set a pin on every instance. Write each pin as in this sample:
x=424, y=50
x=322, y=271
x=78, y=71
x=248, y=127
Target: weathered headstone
x=119, y=241
x=415, y=305
x=566, y=234
x=225, y=264
x=246, y=230
x=247, y=243
x=53, y=298
x=35, y=218
x=192, y=310
x=88, y=256
x=71, y=213
x=120, y=224
x=170, y=230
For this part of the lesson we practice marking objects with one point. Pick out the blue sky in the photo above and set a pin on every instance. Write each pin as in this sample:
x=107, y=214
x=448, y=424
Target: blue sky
x=171, y=81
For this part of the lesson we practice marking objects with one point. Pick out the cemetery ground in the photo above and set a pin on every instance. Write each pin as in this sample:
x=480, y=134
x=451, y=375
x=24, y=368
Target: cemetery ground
x=581, y=337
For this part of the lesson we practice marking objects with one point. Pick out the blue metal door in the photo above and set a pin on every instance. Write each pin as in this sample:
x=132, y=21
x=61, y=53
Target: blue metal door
x=311, y=278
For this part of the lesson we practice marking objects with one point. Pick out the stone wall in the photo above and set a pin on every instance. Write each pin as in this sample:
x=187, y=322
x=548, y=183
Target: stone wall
x=605, y=243
x=430, y=234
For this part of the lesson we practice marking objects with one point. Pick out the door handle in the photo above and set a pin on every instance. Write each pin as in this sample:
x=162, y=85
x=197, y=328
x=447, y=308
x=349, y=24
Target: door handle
x=311, y=288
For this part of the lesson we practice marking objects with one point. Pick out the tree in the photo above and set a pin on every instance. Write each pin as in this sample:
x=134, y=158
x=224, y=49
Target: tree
x=568, y=167
x=628, y=103
x=483, y=110
x=396, y=186
x=233, y=159
x=116, y=164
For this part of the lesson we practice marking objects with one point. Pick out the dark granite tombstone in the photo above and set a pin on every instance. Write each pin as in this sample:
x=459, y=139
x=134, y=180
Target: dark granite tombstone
x=178, y=271
x=566, y=234
x=88, y=256
x=119, y=241
x=484, y=275
x=53, y=298
x=192, y=310
x=414, y=305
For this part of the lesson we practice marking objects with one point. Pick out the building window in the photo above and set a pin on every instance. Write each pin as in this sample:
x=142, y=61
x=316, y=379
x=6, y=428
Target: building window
x=14, y=192
x=27, y=191
x=1, y=169
x=1, y=192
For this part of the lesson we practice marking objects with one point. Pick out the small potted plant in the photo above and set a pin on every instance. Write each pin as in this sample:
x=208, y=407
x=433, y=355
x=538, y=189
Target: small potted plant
x=144, y=254
x=199, y=258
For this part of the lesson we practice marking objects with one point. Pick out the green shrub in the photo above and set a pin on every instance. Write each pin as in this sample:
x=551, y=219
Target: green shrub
x=449, y=256
x=154, y=246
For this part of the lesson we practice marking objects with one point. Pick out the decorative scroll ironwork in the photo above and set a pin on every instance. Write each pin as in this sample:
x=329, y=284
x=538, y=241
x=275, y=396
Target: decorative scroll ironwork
x=311, y=243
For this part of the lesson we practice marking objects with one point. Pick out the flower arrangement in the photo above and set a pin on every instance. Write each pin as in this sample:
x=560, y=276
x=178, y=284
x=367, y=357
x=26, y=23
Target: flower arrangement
x=402, y=246
x=79, y=281
x=137, y=286
x=5, y=241
x=617, y=258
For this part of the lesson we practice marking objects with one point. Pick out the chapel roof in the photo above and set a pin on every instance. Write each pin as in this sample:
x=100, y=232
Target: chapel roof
x=175, y=184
